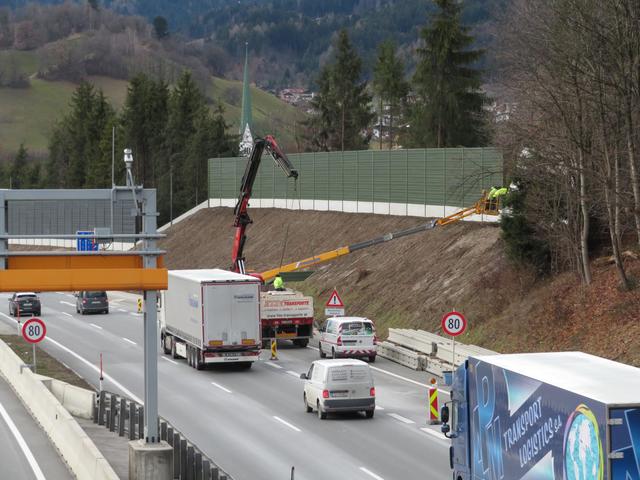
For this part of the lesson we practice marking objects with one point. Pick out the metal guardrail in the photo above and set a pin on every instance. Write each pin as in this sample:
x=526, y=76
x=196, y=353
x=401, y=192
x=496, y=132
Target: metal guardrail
x=126, y=417
x=422, y=350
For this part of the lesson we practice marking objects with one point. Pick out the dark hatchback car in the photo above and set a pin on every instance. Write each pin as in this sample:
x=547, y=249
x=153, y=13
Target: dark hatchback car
x=87, y=302
x=24, y=303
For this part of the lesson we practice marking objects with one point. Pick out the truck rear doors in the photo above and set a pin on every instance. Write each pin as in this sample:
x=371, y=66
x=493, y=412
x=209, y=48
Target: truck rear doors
x=624, y=430
x=232, y=314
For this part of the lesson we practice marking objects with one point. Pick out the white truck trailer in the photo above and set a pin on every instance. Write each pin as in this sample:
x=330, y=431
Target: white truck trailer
x=211, y=316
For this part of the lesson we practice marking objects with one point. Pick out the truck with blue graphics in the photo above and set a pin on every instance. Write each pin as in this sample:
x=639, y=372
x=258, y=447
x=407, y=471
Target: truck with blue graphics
x=544, y=416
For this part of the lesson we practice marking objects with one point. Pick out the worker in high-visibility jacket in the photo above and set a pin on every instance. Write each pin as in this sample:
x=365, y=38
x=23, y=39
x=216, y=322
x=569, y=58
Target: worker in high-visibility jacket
x=278, y=283
x=494, y=196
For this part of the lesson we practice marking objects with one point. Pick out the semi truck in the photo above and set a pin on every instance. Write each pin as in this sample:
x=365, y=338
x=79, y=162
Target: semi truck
x=543, y=416
x=286, y=314
x=211, y=316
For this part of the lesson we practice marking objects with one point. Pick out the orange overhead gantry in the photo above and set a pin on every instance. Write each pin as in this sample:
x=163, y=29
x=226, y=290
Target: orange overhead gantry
x=45, y=216
x=72, y=272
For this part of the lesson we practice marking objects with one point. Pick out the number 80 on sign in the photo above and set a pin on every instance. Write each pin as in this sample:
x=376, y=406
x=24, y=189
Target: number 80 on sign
x=454, y=323
x=34, y=330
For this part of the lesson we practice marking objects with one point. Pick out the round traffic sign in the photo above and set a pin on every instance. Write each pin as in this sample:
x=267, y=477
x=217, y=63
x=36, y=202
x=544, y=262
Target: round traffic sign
x=34, y=330
x=454, y=323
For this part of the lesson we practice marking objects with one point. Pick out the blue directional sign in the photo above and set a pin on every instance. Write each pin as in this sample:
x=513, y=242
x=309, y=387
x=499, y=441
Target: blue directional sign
x=86, y=244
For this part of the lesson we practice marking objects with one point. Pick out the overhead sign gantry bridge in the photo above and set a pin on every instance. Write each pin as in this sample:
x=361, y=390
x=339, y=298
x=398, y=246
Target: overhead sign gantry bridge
x=115, y=218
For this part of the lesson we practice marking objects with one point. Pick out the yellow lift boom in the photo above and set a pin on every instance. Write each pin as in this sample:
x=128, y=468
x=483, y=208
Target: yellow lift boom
x=483, y=206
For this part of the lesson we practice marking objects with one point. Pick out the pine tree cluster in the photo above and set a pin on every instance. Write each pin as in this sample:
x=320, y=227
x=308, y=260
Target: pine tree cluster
x=172, y=132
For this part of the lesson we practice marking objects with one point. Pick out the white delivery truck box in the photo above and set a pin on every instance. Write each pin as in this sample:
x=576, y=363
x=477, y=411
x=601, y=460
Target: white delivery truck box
x=211, y=316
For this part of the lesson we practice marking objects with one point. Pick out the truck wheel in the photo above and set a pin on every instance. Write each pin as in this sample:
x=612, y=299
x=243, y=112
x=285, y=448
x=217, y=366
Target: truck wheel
x=166, y=349
x=190, y=355
x=322, y=415
x=302, y=343
x=333, y=352
x=369, y=413
x=322, y=354
x=306, y=404
x=174, y=354
x=198, y=359
x=372, y=358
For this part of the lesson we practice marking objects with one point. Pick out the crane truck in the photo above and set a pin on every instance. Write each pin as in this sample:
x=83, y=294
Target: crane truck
x=543, y=416
x=286, y=314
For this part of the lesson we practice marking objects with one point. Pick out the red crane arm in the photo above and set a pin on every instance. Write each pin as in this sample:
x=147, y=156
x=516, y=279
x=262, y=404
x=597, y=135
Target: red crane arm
x=242, y=219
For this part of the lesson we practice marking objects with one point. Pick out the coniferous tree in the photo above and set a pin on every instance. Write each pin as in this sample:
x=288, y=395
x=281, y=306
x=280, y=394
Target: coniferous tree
x=343, y=104
x=209, y=140
x=449, y=108
x=186, y=106
x=75, y=142
x=144, y=119
x=389, y=84
x=18, y=174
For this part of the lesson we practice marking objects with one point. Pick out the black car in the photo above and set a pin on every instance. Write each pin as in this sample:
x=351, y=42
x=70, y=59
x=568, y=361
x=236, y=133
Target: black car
x=96, y=302
x=24, y=303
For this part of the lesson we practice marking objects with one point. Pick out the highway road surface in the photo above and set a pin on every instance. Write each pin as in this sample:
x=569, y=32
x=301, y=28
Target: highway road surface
x=25, y=450
x=253, y=422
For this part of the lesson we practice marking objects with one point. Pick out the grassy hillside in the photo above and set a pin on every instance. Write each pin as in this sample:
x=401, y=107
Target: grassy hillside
x=27, y=115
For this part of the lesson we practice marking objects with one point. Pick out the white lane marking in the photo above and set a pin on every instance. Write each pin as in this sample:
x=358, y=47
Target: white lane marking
x=284, y=422
x=221, y=387
x=169, y=360
x=371, y=474
x=400, y=418
x=130, y=341
x=23, y=445
x=406, y=379
x=377, y=369
x=122, y=310
x=271, y=364
x=291, y=372
x=67, y=303
x=122, y=388
x=378, y=407
x=435, y=434
x=67, y=314
x=136, y=314
x=96, y=326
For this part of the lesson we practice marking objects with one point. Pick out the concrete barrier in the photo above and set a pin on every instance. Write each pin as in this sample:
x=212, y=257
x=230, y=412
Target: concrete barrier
x=402, y=355
x=75, y=447
x=78, y=401
x=426, y=351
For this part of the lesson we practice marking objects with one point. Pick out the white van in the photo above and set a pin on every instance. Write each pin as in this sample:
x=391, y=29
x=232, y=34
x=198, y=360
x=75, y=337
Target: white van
x=339, y=386
x=348, y=337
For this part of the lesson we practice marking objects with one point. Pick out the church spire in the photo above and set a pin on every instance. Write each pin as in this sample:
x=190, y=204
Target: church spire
x=246, y=94
x=245, y=119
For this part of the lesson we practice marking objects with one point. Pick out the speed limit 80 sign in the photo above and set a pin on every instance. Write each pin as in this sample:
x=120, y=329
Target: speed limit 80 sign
x=34, y=330
x=454, y=323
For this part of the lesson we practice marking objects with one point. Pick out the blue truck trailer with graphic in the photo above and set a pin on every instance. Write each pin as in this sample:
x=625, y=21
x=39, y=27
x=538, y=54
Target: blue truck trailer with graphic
x=544, y=416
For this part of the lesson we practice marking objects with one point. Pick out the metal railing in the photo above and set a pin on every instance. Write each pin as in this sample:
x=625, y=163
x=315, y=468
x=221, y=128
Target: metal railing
x=126, y=417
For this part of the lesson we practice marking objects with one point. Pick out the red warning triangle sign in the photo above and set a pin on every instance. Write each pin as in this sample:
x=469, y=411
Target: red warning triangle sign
x=335, y=300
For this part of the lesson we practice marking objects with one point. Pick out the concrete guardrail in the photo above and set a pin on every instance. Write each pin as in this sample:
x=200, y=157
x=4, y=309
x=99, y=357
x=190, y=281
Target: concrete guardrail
x=422, y=350
x=76, y=448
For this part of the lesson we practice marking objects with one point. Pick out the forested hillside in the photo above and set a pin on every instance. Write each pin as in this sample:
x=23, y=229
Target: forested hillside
x=290, y=39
